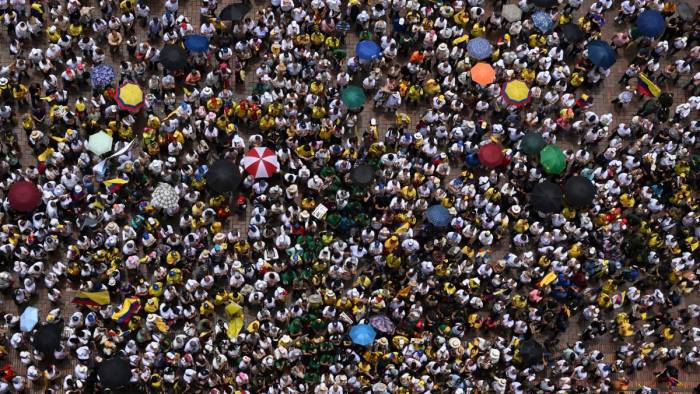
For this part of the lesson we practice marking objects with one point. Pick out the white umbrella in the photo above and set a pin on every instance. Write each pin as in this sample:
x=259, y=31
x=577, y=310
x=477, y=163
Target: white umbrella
x=165, y=196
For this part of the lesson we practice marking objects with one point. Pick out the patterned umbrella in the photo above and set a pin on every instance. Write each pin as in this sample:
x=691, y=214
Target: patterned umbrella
x=542, y=21
x=260, y=162
x=512, y=12
x=516, y=93
x=382, y=323
x=165, y=196
x=130, y=97
x=100, y=143
x=479, y=48
x=102, y=75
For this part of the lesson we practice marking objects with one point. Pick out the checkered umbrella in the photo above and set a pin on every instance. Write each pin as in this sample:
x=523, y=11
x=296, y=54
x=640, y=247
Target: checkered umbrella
x=165, y=196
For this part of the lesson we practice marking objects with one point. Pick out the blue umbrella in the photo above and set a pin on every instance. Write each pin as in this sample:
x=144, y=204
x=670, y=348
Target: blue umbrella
x=28, y=319
x=367, y=50
x=197, y=43
x=362, y=334
x=542, y=21
x=439, y=216
x=479, y=48
x=102, y=75
x=601, y=53
x=651, y=23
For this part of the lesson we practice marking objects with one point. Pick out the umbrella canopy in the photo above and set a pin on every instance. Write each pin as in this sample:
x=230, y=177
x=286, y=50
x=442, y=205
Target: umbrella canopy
x=130, y=97
x=601, y=53
x=100, y=143
x=483, y=74
x=363, y=174
x=173, y=57
x=165, y=196
x=479, y=48
x=491, y=155
x=234, y=12
x=512, y=12
x=47, y=338
x=532, y=143
x=552, y=159
x=261, y=162
x=223, y=176
x=28, y=319
x=24, y=196
x=362, y=334
x=530, y=352
x=544, y=3
x=197, y=43
x=542, y=21
x=367, y=50
x=572, y=33
x=686, y=11
x=382, y=323
x=353, y=97
x=102, y=75
x=516, y=93
x=114, y=373
x=651, y=23
x=438, y=216
x=579, y=191
x=666, y=99
x=547, y=197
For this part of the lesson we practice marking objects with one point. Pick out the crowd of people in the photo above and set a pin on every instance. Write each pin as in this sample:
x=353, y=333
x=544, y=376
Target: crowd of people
x=335, y=285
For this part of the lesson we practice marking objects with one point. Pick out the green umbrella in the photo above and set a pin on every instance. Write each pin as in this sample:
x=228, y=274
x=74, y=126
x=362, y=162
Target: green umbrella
x=532, y=144
x=353, y=97
x=100, y=143
x=552, y=159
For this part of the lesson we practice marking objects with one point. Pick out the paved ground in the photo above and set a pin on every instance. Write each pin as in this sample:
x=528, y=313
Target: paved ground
x=602, y=94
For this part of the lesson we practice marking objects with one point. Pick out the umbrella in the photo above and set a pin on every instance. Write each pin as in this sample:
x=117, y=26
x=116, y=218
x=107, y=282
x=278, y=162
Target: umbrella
x=546, y=197
x=353, y=97
x=114, y=373
x=47, y=338
x=28, y=319
x=102, y=75
x=363, y=174
x=686, y=11
x=483, y=74
x=601, y=53
x=516, y=93
x=24, y=196
x=223, y=176
x=512, y=12
x=197, y=43
x=544, y=3
x=552, y=159
x=234, y=12
x=367, y=50
x=530, y=353
x=382, y=323
x=165, y=196
x=479, y=48
x=100, y=143
x=491, y=155
x=362, y=334
x=542, y=21
x=130, y=97
x=261, y=162
x=651, y=23
x=666, y=99
x=438, y=216
x=173, y=57
x=572, y=33
x=579, y=191
x=532, y=143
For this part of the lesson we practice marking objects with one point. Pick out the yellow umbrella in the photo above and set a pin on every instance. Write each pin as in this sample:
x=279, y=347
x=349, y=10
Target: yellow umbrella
x=130, y=97
x=516, y=93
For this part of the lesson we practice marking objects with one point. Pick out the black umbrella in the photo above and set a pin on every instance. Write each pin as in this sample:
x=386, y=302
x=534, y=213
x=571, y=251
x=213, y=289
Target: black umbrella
x=47, y=338
x=114, y=373
x=223, y=176
x=234, y=12
x=173, y=57
x=546, y=197
x=362, y=175
x=530, y=352
x=544, y=3
x=666, y=99
x=572, y=33
x=579, y=192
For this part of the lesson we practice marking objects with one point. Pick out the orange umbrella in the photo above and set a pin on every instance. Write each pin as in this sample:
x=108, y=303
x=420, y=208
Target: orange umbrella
x=483, y=74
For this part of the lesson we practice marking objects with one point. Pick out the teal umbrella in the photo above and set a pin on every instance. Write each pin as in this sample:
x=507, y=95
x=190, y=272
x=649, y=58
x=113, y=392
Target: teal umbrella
x=353, y=97
x=100, y=143
x=552, y=159
x=532, y=143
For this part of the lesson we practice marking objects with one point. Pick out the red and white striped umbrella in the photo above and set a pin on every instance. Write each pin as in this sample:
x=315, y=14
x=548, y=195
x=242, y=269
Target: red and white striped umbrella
x=261, y=162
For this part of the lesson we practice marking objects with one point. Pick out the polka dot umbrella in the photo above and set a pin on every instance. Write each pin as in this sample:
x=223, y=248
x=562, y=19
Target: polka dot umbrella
x=165, y=196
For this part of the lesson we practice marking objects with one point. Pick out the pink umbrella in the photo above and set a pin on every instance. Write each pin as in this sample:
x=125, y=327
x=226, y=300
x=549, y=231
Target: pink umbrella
x=260, y=162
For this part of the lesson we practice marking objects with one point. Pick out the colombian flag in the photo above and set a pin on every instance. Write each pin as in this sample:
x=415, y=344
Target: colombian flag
x=113, y=185
x=129, y=308
x=92, y=298
x=646, y=87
